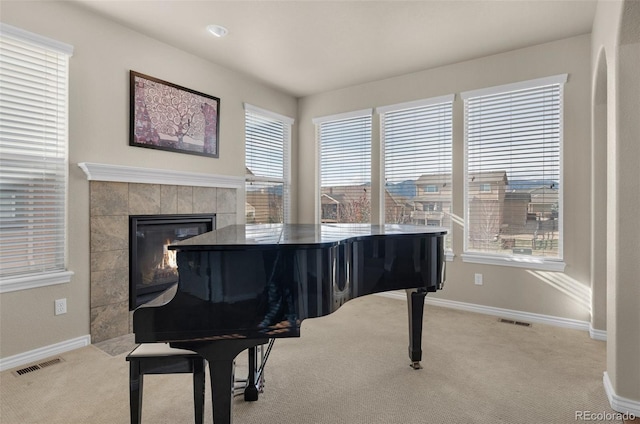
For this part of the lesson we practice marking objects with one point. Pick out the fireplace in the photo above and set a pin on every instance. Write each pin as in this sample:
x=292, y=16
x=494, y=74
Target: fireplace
x=152, y=267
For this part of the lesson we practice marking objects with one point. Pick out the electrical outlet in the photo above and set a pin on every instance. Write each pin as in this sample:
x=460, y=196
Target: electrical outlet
x=61, y=306
x=478, y=279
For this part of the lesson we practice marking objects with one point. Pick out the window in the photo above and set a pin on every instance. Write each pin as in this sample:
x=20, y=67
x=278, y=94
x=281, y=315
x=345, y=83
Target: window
x=33, y=159
x=345, y=167
x=416, y=149
x=267, y=143
x=513, y=188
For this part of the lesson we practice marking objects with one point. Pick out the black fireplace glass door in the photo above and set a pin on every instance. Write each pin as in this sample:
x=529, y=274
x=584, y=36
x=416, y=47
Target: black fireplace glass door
x=153, y=265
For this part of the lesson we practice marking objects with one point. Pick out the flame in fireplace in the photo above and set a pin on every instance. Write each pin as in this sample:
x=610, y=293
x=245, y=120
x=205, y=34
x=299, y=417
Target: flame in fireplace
x=165, y=268
x=168, y=257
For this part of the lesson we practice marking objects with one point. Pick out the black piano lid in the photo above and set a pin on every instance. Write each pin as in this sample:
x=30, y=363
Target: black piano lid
x=297, y=235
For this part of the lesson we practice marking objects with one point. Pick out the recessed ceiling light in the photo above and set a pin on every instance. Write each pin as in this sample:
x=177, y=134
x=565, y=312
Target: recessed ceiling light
x=217, y=30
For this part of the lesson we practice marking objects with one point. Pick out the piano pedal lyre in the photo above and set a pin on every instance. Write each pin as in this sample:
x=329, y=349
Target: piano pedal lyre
x=416, y=365
x=251, y=386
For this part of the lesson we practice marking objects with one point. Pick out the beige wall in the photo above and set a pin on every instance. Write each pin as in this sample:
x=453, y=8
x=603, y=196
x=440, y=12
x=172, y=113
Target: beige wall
x=545, y=293
x=99, y=129
x=615, y=64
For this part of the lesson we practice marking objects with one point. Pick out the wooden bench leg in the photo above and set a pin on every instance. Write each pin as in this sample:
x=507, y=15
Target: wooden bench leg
x=135, y=391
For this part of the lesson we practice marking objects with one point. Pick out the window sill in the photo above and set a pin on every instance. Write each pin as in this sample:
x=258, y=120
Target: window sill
x=34, y=280
x=514, y=261
x=448, y=256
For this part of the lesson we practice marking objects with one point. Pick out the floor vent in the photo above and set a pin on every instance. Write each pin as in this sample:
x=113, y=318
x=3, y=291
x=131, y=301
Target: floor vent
x=36, y=367
x=50, y=362
x=510, y=321
x=27, y=370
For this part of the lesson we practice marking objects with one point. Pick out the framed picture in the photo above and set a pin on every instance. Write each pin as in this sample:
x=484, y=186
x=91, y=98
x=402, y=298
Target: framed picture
x=166, y=116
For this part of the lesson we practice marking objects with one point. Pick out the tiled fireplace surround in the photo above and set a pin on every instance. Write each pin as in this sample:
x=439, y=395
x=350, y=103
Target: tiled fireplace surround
x=111, y=203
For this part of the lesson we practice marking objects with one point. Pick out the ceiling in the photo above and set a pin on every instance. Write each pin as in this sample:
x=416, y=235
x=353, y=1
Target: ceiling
x=307, y=47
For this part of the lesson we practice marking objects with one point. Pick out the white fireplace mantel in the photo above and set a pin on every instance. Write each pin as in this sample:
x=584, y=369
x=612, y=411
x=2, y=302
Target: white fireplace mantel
x=133, y=174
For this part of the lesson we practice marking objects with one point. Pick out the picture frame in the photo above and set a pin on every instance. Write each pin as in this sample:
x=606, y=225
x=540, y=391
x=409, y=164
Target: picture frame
x=166, y=116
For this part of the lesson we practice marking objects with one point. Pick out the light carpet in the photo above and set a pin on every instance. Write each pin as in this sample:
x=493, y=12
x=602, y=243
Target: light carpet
x=350, y=367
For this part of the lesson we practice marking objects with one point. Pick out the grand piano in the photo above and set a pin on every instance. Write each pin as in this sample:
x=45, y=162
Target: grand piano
x=243, y=285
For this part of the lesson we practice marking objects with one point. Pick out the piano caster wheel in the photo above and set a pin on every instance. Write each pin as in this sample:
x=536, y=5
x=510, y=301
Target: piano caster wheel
x=416, y=365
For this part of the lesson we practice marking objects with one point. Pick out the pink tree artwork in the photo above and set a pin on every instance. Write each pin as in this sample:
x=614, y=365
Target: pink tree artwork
x=170, y=117
x=210, y=127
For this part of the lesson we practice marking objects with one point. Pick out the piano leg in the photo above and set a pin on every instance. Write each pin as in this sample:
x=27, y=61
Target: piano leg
x=415, y=304
x=251, y=390
x=220, y=355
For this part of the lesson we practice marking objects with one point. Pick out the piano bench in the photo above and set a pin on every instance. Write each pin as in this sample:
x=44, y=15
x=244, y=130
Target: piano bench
x=160, y=358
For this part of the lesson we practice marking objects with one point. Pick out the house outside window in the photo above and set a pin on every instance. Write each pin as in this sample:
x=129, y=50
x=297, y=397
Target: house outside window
x=513, y=187
x=433, y=206
x=267, y=166
x=34, y=73
x=344, y=143
x=416, y=162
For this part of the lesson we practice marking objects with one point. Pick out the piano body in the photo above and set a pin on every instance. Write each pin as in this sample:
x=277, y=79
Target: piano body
x=245, y=284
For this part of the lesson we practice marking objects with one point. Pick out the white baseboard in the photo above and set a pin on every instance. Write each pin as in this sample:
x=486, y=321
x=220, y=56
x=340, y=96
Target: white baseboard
x=499, y=312
x=619, y=403
x=44, y=352
x=598, y=334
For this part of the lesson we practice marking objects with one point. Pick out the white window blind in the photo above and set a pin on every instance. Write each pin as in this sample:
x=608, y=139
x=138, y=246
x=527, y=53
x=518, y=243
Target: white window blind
x=513, y=188
x=345, y=167
x=267, y=140
x=416, y=147
x=33, y=154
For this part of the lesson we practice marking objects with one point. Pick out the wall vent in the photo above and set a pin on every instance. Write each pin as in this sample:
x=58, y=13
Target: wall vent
x=36, y=367
x=510, y=321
